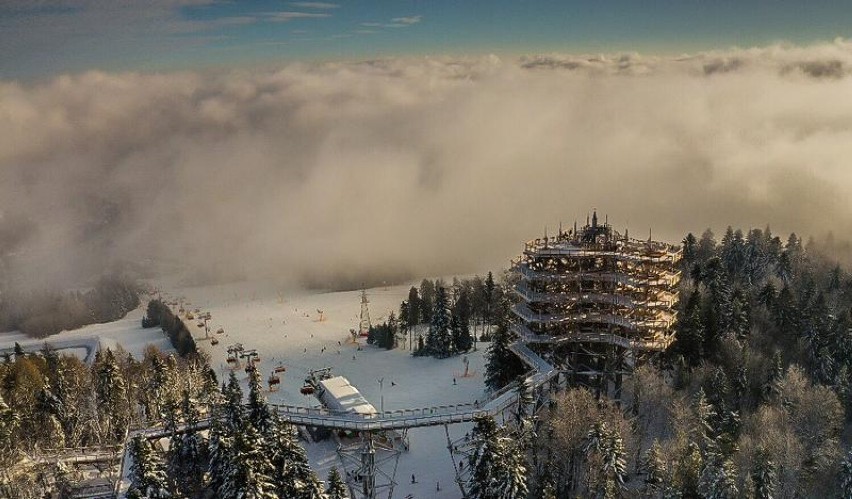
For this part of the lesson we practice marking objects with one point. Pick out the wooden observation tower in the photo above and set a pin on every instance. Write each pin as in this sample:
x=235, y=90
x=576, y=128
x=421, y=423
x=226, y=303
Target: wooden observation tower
x=602, y=303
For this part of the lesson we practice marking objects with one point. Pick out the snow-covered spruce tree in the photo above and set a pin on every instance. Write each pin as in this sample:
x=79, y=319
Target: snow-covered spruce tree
x=497, y=466
x=258, y=415
x=291, y=472
x=233, y=409
x=335, y=488
x=846, y=476
x=764, y=476
x=221, y=448
x=502, y=365
x=110, y=391
x=460, y=323
x=490, y=300
x=654, y=467
x=607, y=446
x=9, y=421
x=687, y=471
x=439, y=339
x=705, y=433
x=511, y=476
x=187, y=457
x=525, y=400
x=248, y=472
x=48, y=407
x=718, y=479
x=147, y=476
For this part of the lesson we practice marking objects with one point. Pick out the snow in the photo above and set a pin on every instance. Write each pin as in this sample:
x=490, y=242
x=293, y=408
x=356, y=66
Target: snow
x=284, y=327
x=84, y=342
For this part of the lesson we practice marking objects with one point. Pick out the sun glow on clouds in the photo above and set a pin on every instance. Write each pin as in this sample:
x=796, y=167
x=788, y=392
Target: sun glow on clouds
x=420, y=166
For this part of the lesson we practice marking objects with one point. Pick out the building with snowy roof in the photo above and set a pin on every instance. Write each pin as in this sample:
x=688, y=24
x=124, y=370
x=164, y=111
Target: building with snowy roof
x=337, y=394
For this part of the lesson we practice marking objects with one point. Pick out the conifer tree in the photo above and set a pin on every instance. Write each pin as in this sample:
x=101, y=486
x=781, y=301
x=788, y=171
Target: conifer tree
x=291, y=472
x=502, y=365
x=414, y=307
x=654, y=467
x=718, y=479
x=187, y=457
x=608, y=445
x=47, y=409
x=258, y=412
x=427, y=300
x=335, y=488
x=110, y=390
x=490, y=302
x=687, y=471
x=248, y=472
x=439, y=340
x=846, y=476
x=147, y=476
x=763, y=475
x=9, y=422
x=497, y=468
x=233, y=408
x=460, y=323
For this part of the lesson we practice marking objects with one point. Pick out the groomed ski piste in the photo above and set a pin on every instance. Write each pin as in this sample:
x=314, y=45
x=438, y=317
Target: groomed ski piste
x=429, y=399
x=303, y=331
x=85, y=342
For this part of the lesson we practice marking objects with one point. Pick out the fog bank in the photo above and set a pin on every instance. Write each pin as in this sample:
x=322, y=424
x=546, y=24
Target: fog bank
x=411, y=167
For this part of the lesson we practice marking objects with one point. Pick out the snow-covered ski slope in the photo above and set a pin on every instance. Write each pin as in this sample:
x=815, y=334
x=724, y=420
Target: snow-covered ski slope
x=83, y=342
x=284, y=328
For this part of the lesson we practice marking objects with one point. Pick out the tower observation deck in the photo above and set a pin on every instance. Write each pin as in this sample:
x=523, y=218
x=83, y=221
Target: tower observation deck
x=603, y=301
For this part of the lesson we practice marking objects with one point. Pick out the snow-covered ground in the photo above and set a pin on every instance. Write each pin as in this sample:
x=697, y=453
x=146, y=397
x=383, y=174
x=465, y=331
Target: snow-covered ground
x=127, y=332
x=285, y=329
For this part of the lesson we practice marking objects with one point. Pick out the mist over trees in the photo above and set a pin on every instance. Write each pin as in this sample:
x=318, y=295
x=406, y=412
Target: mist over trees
x=42, y=313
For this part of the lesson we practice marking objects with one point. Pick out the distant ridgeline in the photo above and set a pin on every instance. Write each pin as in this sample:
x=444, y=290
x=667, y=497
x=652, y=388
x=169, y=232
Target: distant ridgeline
x=41, y=314
x=159, y=314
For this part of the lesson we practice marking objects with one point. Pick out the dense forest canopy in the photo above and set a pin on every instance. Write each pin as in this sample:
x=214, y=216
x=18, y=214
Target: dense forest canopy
x=753, y=399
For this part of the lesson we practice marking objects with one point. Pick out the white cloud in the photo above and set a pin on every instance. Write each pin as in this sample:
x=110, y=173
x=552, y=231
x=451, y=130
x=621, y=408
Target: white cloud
x=428, y=166
x=397, y=22
x=407, y=20
x=315, y=5
x=286, y=16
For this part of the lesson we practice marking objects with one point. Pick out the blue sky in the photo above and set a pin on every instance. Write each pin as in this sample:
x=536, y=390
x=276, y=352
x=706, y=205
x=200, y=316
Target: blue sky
x=42, y=38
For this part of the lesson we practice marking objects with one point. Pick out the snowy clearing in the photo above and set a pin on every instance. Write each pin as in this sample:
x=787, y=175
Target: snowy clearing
x=83, y=342
x=285, y=329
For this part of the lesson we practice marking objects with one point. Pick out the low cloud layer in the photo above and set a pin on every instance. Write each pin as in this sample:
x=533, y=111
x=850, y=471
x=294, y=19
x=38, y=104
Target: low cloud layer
x=418, y=167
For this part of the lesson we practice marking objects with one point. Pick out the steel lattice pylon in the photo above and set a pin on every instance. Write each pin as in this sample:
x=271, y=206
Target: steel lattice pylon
x=364, y=325
x=367, y=465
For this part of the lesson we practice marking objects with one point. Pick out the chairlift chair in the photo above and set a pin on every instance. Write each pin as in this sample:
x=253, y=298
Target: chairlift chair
x=274, y=380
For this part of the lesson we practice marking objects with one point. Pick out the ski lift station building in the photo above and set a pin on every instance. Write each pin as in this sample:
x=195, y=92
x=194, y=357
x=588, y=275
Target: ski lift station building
x=337, y=394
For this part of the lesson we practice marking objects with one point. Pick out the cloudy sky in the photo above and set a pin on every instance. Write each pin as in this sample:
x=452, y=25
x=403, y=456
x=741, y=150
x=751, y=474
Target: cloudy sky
x=44, y=37
x=317, y=141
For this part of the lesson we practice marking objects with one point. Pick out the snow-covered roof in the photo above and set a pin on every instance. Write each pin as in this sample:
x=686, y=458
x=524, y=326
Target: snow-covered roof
x=339, y=395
